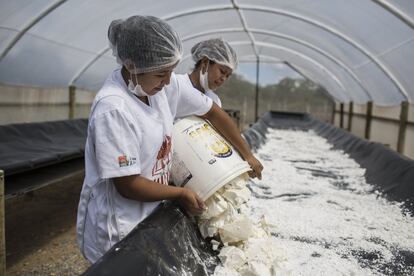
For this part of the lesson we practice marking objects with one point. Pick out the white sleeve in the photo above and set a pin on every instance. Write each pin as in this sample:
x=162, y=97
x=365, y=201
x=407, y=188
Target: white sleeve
x=214, y=97
x=171, y=91
x=116, y=145
x=188, y=100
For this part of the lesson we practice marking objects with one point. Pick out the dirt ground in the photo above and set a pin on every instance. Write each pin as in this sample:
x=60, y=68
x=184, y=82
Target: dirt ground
x=41, y=232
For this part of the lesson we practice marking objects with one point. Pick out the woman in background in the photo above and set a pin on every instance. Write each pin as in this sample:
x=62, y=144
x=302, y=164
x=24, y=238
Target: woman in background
x=215, y=60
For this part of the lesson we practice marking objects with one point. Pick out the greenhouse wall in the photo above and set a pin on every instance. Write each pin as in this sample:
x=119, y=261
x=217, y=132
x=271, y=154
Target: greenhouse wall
x=33, y=104
x=384, y=125
x=358, y=126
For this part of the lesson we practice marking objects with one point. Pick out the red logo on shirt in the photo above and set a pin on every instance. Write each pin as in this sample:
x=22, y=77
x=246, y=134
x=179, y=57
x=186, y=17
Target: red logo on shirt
x=161, y=169
x=165, y=148
x=124, y=161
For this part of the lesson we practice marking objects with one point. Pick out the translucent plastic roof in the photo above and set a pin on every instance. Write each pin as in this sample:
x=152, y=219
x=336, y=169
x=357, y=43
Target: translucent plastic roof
x=360, y=50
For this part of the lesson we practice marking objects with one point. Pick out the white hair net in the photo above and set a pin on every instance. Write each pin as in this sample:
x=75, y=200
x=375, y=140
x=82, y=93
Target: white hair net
x=217, y=50
x=144, y=43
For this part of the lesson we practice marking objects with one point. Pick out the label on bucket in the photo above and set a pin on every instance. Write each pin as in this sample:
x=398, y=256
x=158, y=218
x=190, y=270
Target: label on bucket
x=203, y=160
x=203, y=133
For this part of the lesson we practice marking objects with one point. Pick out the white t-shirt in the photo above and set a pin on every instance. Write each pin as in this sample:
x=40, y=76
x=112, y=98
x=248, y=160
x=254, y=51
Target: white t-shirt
x=126, y=137
x=214, y=97
x=187, y=85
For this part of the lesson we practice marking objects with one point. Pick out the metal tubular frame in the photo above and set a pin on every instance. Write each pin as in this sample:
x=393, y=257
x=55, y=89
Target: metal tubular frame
x=340, y=35
x=29, y=25
x=87, y=65
x=303, y=56
x=240, y=8
x=295, y=40
x=318, y=24
x=295, y=16
x=396, y=11
x=305, y=76
x=251, y=37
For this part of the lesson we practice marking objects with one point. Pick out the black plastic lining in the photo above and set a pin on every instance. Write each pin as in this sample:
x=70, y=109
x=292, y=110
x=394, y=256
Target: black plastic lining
x=166, y=243
x=390, y=172
x=28, y=146
x=22, y=183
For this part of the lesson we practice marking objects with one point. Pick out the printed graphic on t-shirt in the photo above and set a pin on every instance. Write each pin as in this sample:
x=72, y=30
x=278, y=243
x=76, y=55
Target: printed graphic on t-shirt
x=161, y=169
x=165, y=148
x=124, y=160
x=179, y=172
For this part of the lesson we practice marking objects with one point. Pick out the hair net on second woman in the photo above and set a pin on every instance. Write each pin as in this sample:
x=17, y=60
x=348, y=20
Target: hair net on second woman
x=217, y=50
x=144, y=43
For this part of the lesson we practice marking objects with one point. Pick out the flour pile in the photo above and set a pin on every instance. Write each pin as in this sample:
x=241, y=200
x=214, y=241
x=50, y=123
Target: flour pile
x=322, y=216
x=246, y=246
x=322, y=212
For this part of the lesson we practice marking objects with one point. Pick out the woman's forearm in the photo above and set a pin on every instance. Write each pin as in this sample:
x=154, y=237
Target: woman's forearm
x=142, y=189
x=226, y=127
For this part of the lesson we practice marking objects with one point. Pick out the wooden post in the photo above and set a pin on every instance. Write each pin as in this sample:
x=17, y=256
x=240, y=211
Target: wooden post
x=350, y=114
x=72, y=101
x=333, y=114
x=341, y=118
x=256, y=113
x=403, y=127
x=2, y=228
x=368, y=121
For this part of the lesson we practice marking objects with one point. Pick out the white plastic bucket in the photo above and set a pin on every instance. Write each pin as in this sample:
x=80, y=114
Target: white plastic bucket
x=203, y=160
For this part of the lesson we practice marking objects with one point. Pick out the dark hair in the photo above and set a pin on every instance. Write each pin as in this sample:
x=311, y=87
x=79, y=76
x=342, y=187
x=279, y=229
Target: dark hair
x=198, y=64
